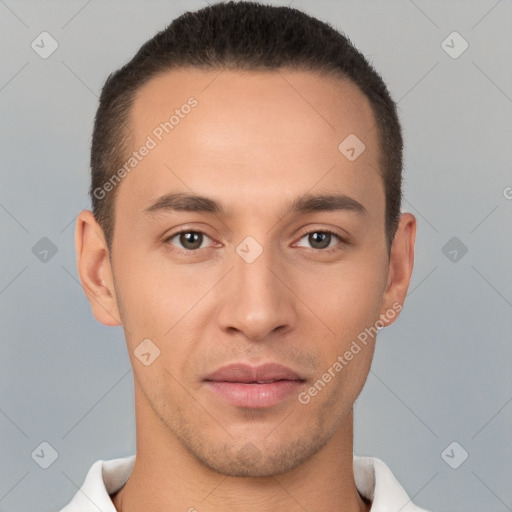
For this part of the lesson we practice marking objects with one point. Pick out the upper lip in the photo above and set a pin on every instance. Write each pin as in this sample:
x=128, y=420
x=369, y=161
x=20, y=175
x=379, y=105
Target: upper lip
x=246, y=373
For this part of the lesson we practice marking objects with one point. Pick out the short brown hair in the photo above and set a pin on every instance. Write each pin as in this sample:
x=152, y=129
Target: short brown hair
x=248, y=36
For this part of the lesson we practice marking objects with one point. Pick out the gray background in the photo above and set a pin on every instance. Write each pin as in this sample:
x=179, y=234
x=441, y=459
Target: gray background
x=441, y=374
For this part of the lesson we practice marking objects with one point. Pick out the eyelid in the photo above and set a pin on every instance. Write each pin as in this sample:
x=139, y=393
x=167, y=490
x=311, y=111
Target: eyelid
x=167, y=239
x=343, y=240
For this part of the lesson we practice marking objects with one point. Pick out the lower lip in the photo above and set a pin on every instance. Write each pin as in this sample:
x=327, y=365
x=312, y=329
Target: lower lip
x=254, y=395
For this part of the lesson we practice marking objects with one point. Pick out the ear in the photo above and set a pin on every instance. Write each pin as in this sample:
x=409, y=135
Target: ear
x=401, y=262
x=95, y=270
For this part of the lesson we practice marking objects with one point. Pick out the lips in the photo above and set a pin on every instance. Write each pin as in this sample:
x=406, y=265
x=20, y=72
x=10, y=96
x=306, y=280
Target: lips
x=246, y=374
x=254, y=387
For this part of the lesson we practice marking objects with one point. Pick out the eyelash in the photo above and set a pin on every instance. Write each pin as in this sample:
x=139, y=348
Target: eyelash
x=341, y=241
x=326, y=250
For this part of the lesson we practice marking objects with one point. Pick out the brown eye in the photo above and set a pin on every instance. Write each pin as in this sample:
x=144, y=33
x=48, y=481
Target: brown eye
x=189, y=240
x=321, y=239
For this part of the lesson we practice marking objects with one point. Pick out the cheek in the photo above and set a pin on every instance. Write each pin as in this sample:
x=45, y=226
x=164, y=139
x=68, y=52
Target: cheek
x=154, y=294
x=348, y=299
x=165, y=304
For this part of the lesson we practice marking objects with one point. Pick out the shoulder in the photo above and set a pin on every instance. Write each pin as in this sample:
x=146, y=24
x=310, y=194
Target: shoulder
x=105, y=477
x=375, y=481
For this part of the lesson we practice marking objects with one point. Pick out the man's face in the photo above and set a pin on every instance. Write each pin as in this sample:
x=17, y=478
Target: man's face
x=255, y=143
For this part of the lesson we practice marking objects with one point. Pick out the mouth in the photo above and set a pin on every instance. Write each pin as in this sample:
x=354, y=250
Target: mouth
x=254, y=387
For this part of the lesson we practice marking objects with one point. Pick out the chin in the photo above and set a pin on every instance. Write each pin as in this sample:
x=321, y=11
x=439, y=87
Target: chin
x=249, y=461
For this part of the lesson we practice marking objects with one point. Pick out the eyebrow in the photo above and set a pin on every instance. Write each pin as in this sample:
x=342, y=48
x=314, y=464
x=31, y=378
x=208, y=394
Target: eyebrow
x=307, y=203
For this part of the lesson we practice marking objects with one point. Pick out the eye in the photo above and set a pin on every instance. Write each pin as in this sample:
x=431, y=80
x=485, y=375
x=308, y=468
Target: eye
x=321, y=239
x=189, y=240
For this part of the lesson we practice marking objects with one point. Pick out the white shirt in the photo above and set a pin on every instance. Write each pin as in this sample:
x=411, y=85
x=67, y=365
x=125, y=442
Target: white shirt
x=373, y=479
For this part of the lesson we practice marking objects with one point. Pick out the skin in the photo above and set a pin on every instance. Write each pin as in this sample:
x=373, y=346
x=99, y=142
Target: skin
x=255, y=142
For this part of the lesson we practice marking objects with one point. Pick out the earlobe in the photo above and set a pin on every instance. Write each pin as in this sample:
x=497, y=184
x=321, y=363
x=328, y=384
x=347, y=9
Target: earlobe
x=401, y=262
x=95, y=270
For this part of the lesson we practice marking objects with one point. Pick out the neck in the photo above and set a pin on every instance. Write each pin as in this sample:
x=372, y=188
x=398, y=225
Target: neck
x=166, y=477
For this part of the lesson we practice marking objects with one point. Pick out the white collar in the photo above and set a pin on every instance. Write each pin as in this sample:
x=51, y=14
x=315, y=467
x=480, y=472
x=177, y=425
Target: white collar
x=374, y=481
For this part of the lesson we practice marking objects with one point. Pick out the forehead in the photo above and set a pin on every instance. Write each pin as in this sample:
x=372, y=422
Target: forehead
x=256, y=131
x=323, y=102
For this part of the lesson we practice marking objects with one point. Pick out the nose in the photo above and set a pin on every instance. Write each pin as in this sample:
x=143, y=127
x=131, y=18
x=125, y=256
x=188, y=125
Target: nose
x=256, y=300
